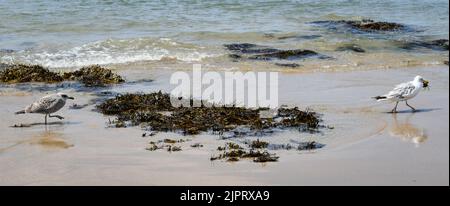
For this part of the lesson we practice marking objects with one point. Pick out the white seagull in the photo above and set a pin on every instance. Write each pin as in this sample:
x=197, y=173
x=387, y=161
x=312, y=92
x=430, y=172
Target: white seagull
x=47, y=105
x=404, y=92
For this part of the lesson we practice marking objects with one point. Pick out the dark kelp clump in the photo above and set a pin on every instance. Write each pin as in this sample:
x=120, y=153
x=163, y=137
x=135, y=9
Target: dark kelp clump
x=130, y=103
x=286, y=55
x=312, y=145
x=94, y=76
x=196, y=145
x=365, y=25
x=258, y=144
x=91, y=76
x=293, y=117
x=232, y=152
x=20, y=73
x=376, y=26
x=156, y=112
x=291, y=65
x=438, y=45
x=351, y=47
x=258, y=52
x=300, y=146
x=247, y=48
x=167, y=144
x=170, y=145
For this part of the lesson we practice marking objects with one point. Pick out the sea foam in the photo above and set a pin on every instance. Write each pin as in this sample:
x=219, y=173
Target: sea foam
x=111, y=51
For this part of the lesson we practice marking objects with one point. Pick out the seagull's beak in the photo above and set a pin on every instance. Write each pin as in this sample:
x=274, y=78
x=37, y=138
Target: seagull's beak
x=425, y=83
x=70, y=98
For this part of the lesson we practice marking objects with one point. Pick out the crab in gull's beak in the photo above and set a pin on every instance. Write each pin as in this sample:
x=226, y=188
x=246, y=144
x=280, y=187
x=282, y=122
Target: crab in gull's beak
x=425, y=83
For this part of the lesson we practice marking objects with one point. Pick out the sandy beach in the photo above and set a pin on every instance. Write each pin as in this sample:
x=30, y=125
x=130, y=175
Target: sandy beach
x=366, y=145
x=332, y=60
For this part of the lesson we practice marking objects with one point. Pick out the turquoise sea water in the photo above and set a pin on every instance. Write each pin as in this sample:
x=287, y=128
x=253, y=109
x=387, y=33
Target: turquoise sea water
x=81, y=32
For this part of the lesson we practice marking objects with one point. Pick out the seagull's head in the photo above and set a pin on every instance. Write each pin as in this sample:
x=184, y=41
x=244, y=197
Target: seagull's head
x=422, y=81
x=65, y=96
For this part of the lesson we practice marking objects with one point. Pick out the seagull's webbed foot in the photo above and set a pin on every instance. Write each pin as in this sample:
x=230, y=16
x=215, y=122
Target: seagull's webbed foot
x=393, y=111
x=57, y=116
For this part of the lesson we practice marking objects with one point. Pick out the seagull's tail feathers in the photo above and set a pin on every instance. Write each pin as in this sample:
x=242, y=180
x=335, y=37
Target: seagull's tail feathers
x=20, y=112
x=380, y=98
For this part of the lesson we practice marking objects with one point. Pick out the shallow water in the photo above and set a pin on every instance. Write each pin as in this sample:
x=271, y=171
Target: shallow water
x=67, y=34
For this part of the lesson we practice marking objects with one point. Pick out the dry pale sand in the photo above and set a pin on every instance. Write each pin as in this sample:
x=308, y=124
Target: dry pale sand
x=366, y=147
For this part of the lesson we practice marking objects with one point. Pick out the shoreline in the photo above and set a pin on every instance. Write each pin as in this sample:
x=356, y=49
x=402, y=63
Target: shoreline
x=366, y=146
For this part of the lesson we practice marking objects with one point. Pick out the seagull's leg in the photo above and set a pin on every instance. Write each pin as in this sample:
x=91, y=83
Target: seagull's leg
x=395, y=108
x=57, y=116
x=45, y=119
x=410, y=106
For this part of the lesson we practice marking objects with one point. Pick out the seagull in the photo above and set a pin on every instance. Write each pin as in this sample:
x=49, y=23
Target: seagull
x=404, y=92
x=47, y=105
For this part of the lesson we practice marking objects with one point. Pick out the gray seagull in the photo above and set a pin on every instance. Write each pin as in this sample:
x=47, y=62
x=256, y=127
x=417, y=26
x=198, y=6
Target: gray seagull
x=404, y=92
x=47, y=105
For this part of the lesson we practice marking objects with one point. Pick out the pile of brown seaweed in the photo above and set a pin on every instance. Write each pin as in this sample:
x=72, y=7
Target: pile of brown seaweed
x=232, y=152
x=365, y=25
x=300, y=146
x=156, y=112
x=370, y=25
x=20, y=73
x=94, y=76
x=258, y=150
x=242, y=51
x=168, y=144
x=91, y=76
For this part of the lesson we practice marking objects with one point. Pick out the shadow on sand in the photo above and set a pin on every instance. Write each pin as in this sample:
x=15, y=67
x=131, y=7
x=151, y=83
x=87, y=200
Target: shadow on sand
x=416, y=111
x=43, y=124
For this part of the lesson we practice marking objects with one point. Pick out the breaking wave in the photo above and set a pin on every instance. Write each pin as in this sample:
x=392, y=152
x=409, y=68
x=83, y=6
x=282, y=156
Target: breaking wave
x=112, y=51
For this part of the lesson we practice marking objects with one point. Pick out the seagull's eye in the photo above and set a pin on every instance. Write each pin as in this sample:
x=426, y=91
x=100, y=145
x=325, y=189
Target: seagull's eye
x=64, y=96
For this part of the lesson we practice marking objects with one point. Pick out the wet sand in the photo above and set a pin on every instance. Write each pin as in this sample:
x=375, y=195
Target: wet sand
x=366, y=147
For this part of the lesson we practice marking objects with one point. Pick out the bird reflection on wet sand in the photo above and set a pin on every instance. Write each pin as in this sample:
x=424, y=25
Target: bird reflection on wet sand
x=46, y=139
x=51, y=140
x=407, y=131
